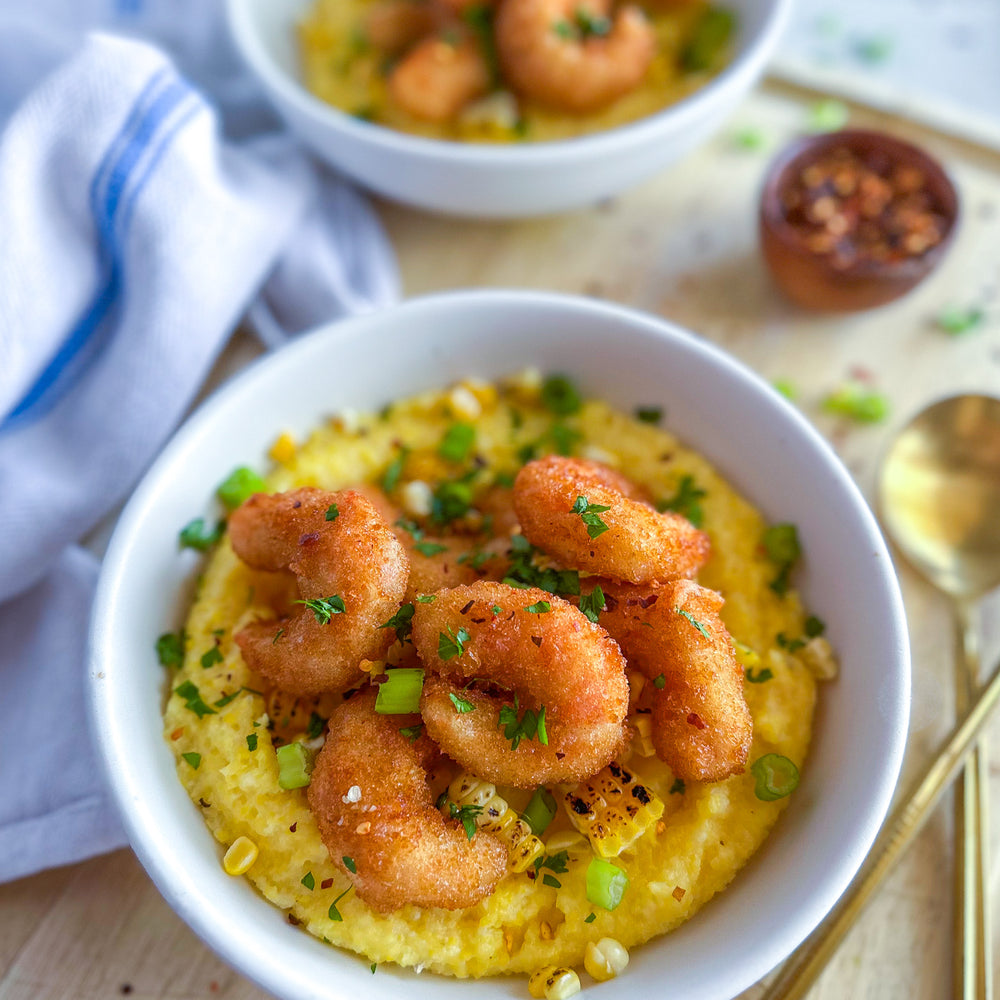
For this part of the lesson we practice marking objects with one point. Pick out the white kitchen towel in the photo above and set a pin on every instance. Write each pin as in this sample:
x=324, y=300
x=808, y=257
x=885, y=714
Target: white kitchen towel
x=132, y=239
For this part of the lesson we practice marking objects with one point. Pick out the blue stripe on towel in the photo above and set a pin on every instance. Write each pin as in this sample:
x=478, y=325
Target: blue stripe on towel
x=58, y=374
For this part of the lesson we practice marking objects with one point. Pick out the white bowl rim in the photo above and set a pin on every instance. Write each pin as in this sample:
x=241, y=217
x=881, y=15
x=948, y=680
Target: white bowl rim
x=188, y=898
x=556, y=151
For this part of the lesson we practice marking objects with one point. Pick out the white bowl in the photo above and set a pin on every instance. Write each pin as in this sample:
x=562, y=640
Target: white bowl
x=489, y=180
x=757, y=439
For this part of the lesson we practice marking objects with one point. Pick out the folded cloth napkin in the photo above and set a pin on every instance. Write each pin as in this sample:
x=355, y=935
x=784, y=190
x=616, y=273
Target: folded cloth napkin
x=132, y=240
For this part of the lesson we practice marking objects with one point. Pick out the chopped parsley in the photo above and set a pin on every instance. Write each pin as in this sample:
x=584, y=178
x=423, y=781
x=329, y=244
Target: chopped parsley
x=559, y=395
x=315, y=727
x=563, y=29
x=781, y=543
x=858, y=403
x=497, y=610
x=539, y=608
x=814, y=626
x=240, y=485
x=694, y=621
x=324, y=608
x=426, y=598
x=195, y=535
x=452, y=644
x=552, y=881
x=589, y=514
x=457, y=442
x=333, y=913
x=530, y=725
x=332, y=512
x=660, y=682
x=210, y=657
x=593, y=604
x=227, y=698
x=564, y=438
x=193, y=700
x=170, y=649
x=402, y=621
x=430, y=548
x=678, y=787
x=277, y=636
x=451, y=500
x=474, y=559
x=649, y=414
x=194, y=759
x=466, y=815
x=462, y=705
x=309, y=881
x=590, y=918
x=789, y=644
x=554, y=862
x=523, y=571
x=685, y=501
x=350, y=865
x=592, y=24
x=762, y=675
x=252, y=742
x=412, y=733
x=708, y=40
x=390, y=478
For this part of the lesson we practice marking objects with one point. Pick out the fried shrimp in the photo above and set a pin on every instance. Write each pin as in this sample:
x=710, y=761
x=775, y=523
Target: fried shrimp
x=627, y=540
x=370, y=795
x=349, y=567
x=546, y=686
x=392, y=26
x=439, y=76
x=672, y=633
x=572, y=56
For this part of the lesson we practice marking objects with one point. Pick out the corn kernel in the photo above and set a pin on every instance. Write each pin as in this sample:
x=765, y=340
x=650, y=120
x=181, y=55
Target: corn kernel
x=745, y=655
x=565, y=840
x=240, y=857
x=485, y=392
x=527, y=382
x=464, y=403
x=284, y=448
x=545, y=931
x=817, y=655
x=642, y=744
x=468, y=790
x=606, y=959
x=417, y=498
x=553, y=983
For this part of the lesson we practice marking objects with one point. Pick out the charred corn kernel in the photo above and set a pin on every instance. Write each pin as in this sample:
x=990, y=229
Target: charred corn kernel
x=464, y=403
x=613, y=810
x=496, y=817
x=745, y=655
x=553, y=983
x=605, y=960
x=284, y=448
x=817, y=655
x=240, y=857
x=642, y=742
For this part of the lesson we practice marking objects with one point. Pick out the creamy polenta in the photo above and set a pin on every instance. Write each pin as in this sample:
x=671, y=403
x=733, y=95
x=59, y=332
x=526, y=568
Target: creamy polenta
x=222, y=723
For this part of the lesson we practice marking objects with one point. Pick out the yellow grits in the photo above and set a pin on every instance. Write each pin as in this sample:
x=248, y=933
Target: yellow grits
x=708, y=831
x=340, y=66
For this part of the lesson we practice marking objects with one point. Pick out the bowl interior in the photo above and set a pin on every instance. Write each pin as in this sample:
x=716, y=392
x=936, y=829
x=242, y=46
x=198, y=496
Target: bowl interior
x=265, y=32
x=758, y=440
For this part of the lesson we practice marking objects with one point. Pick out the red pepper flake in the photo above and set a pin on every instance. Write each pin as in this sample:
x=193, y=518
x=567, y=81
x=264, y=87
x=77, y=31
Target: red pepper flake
x=694, y=719
x=293, y=827
x=294, y=920
x=537, y=640
x=177, y=733
x=679, y=893
x=312, y=536
x=648, y=602
x=326, y=883
x=466, y=609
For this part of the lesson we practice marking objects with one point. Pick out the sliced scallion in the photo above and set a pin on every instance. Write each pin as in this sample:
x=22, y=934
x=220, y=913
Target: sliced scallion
x=606, y=883
x=240, y=485
x=293, y=766
x=540, y=811
x=776, y=776
x=399, y=694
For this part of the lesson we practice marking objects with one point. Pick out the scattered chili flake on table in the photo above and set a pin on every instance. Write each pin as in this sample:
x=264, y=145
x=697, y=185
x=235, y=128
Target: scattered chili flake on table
x=854, y=207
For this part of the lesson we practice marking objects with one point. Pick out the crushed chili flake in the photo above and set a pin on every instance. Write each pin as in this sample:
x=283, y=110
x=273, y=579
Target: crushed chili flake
x=855, y=206
x=679, y=893
x=294, y=920
x=293, y=827
x=694, y=719
x=326, y=883
x=537, y=640
x=177, y=733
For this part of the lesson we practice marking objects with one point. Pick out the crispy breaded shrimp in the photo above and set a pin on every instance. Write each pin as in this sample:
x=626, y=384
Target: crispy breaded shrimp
x=481, y=644
x=639, y=544
x=570, y=55
x=370, y=796
x=353, y=556
x=701, y=724
x=439, y=76
x=393, y=25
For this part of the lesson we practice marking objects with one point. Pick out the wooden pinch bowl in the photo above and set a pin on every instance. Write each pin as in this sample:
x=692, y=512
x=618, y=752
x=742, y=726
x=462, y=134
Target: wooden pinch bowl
x=820, y=281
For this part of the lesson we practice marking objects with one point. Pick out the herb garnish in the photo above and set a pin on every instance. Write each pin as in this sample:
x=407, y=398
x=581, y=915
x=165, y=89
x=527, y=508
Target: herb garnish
x=781, y=543
x=333, y=913
x=452, y=644
x=592, y=24
x=694, y=621
x=332, y=512
x=466, y=815
x=412, y=733
x=315, y=727
x=678, y=787
x=426, y=598
x=539, y=608
x=554, y=862
x=593, y=604
x=350, y=865
x=390, y=478
x=210, y=657
x=762, y=675
x=589, y=515
x=462, y=705
x=559, y=395
x=530, y=725
x=649, y=414
x=240, y=485
x=430, y=548
x=252, y=742
x=685, y=501
x=309, y=881
x=402, y=621
x=524, y=573
x=590, y=918
x=660, y=682
x=194, y=759
x=170, y=649
x=324, y=608
x=193, y=700
x=452, y=499
x=195, y=535
x=457, y=442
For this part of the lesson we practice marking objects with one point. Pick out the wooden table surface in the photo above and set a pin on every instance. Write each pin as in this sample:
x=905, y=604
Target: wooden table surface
x=682, y=246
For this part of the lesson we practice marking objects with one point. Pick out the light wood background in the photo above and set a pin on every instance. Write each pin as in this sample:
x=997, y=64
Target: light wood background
x=682, y=246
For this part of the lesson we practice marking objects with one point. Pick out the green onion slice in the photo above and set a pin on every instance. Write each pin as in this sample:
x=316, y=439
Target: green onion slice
x=400, y=693
x=540, y=811
x=293, y=766
x=240, y=485
x=457, y=442
x=606, y=883
x=776, y=777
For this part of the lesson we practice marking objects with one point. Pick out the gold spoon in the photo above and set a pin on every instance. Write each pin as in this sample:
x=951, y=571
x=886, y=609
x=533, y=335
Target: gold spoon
x=949, y=453
x=939, y=495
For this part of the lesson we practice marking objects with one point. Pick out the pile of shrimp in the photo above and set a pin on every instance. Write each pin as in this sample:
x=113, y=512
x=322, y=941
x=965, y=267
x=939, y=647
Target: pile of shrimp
x=574, y=56
x=374, y=589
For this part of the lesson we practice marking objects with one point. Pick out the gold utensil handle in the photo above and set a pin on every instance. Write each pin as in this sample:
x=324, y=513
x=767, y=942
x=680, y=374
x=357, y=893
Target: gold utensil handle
x=905, y=821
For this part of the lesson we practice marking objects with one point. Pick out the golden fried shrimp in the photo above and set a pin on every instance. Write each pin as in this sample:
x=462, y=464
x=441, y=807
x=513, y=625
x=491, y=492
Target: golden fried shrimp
x=394, y=25
x=483, y=646
x=570, y=55
x=701, y=724
x=439, y=76
x=370, y=795
x=354, y=557
x=639, y=545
